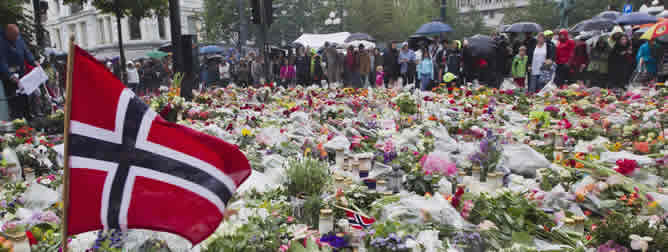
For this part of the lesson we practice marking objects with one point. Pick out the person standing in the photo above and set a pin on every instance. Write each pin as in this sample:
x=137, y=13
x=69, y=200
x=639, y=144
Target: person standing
x=330, y=54
x=598, y=67
x=303, y=67
x=318, y=73
x=365, y=66
x=565, y=52
x=619, y=62
x=14, y=55
x=519, y=67
x=133, y=77
x=579, y=62
x=425, y=70
x=541, y=53
x=391, y=65
x=224, y=70
x=406, y=56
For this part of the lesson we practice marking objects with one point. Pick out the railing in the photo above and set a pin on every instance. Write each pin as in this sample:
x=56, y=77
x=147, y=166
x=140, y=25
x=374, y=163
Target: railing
x=485, y=5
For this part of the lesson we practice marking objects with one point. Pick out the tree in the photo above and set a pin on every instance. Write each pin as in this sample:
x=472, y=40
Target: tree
x=126, y=8
x=220, y=17
x=545, y=12
x=13, y=12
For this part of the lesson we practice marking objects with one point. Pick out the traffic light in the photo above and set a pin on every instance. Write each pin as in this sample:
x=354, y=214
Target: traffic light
x=269, y=12
x=259, y=16
x=255, y=12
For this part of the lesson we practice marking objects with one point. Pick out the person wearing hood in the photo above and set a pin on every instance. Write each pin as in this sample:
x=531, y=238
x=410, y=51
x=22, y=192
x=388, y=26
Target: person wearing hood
x=133, y=76
x=620, y=61
x=564, y=55
x=646, y=58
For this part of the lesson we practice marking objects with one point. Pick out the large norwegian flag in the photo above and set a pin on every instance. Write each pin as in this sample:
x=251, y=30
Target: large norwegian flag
x=132, y=169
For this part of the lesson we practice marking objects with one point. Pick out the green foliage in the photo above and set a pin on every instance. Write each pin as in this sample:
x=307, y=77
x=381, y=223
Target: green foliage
x=255, y=236
x=421, y=184
x=546, y=12
x=306, y=176
x=220, y=17
x=618, y=227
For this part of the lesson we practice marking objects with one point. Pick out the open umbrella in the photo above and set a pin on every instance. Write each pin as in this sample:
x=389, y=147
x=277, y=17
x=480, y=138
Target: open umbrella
x=502, y=28
x=595, y=24
x=663, y=14
x=359, y=37
x=636, y=18
x=166, y=47
x=610, y=15
x=659, y=30
x=433, y=28
x=156, y=54
x=524, y=27
x=481, y=45
x=212, y=49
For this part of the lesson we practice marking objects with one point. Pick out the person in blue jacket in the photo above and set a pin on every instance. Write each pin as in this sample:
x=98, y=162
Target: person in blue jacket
x=646, y=58
x=14, y=56
x=425, y=70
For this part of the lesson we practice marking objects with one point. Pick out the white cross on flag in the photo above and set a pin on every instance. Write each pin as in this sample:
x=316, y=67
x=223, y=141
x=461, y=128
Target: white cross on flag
x=129, y=168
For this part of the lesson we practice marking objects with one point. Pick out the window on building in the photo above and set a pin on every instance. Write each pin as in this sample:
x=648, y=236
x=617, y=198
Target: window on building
x=76, y=8
x=192, y=25
x=59, y=40
x=101, y=33
x=84, y=34
x=109, y=30
x=135, y=29
x=161, y=28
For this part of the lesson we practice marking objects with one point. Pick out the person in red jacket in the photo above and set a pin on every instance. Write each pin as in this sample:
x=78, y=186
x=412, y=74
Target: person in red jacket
x=565, y=52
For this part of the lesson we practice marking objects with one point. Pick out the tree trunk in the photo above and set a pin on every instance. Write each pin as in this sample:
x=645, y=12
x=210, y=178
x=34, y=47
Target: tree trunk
x=120, y=44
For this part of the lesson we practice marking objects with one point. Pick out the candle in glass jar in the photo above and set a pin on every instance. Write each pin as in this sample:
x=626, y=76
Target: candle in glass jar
x=29, y=174
x=340, y=158
x=326, y=223
x=381, y=186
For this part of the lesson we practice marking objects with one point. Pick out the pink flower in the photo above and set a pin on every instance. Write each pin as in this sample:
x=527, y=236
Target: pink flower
x=290, y=219
x=436, y=164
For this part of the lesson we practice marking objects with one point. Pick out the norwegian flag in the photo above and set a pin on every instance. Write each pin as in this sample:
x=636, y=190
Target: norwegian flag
x=358, y=221
x=132, y=169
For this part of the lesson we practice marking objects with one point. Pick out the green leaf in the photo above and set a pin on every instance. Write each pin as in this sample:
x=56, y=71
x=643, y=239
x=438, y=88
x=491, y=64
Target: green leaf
x=522, y=238
x=311, y=246
x=295, y=246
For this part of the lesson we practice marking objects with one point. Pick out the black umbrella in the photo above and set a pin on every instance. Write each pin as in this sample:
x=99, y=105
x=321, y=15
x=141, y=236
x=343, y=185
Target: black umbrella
x=524, y=27
x=595, y=24
x=502, y=28
x=416, y=42
x=636, y=18
x=610, y=15
x=481, y=45
x=433, y=28
x=166, y=47
x=359, y=36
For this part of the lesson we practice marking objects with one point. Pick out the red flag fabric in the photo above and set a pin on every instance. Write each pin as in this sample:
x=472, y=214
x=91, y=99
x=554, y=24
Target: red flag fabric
x=129, y=168
x=358, y=221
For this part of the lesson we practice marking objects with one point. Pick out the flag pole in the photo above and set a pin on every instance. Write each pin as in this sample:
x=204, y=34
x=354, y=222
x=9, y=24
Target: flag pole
x=66, y=154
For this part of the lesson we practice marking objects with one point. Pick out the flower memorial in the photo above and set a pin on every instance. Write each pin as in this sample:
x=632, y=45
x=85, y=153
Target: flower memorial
x=456, y=169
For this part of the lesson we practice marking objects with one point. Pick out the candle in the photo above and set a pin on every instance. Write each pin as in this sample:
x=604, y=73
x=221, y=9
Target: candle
x=326, y=222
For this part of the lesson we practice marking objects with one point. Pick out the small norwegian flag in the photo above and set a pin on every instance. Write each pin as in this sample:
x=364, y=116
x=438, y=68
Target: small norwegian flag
x=358, y=221
x=129, y=168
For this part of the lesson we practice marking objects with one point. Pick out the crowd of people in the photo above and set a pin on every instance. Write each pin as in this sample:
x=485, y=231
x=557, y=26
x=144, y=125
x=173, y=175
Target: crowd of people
x=530, y=60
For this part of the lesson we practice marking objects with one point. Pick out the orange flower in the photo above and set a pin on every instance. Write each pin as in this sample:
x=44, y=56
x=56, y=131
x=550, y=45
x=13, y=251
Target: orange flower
x=432, y=118
x=641, y=147
x=579, y=165
x=623, y=197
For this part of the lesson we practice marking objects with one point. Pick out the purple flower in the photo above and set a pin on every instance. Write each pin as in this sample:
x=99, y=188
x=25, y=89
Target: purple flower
x=611, y=246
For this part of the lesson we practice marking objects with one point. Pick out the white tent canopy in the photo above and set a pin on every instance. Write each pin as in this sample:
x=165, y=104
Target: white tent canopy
x=318, y=40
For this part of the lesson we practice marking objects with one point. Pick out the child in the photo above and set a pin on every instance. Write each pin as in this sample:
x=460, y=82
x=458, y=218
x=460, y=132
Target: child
x=425, y=70
x=450, y=80
x=546, y=74
x=519, y=68
x=380, y=75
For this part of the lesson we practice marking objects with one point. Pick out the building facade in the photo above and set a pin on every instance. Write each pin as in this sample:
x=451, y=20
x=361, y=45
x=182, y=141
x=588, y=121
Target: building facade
x=492, y=10
x=97, y=33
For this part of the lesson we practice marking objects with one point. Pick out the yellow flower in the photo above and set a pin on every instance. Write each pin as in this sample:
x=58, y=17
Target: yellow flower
x=652, y=204
x=307, y=151
x=245, y=132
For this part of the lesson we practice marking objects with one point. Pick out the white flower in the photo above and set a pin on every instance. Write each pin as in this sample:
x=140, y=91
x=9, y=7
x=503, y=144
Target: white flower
x=486, y=225
x=45, y=181
x=639, y=243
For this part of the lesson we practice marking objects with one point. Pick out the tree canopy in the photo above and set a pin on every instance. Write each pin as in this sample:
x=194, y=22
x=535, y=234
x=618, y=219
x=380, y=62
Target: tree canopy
x=382, y=19
x=546, y=13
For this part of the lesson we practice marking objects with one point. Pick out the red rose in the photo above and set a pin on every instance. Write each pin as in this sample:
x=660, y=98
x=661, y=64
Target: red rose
x=31, y=238
x=626, y=166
